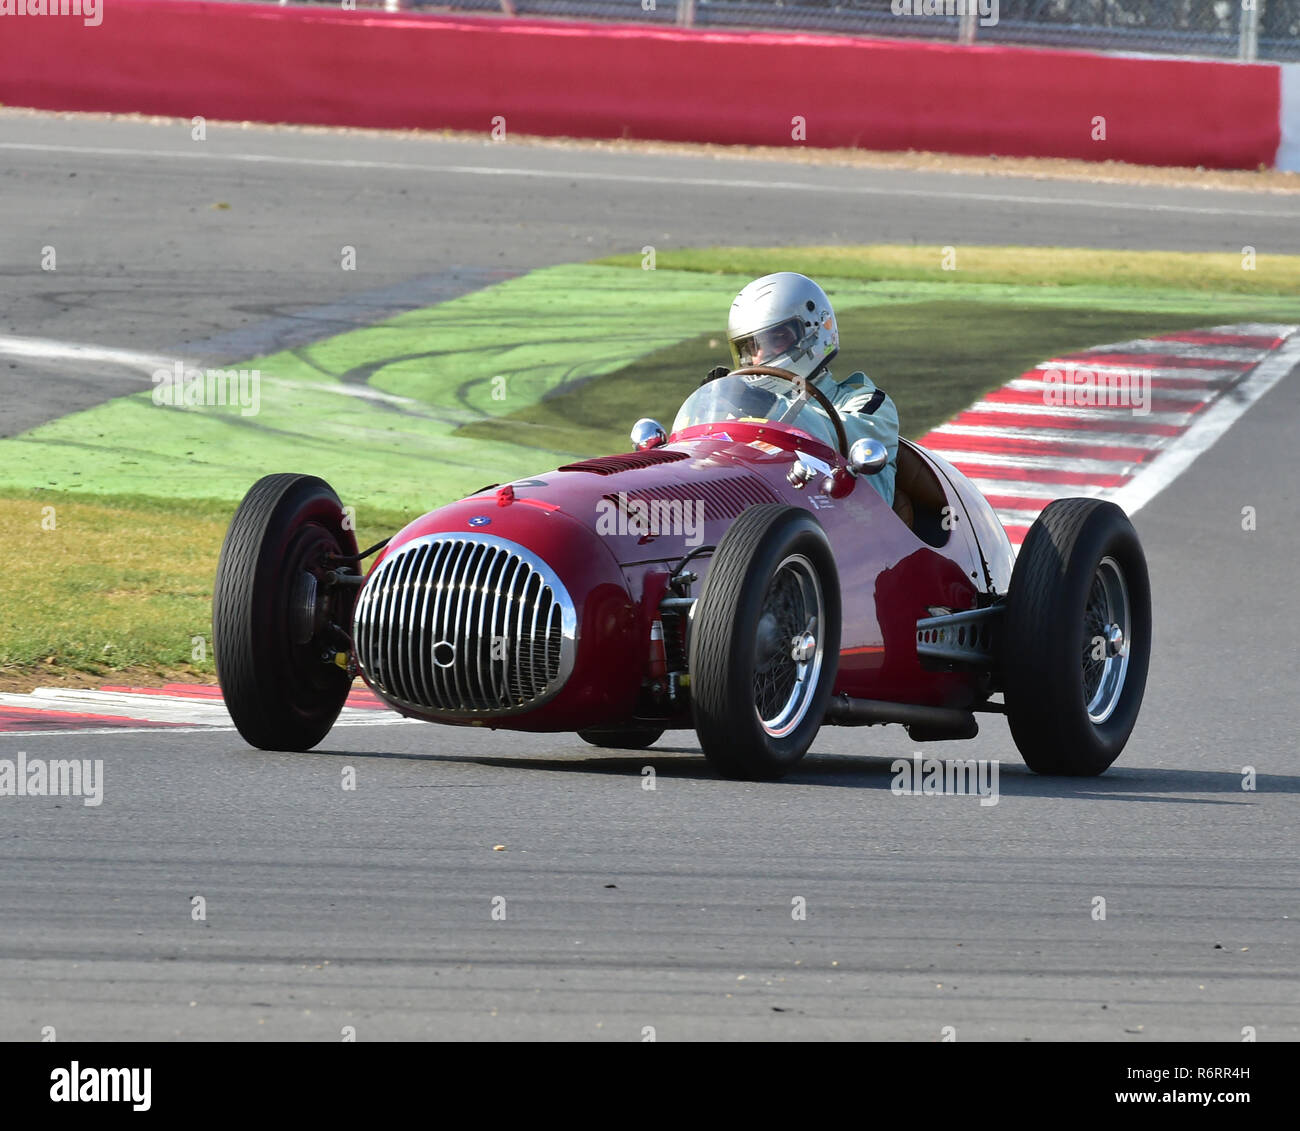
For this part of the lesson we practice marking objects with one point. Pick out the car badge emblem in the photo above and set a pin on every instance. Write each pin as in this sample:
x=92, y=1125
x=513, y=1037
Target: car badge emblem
x=480, y=520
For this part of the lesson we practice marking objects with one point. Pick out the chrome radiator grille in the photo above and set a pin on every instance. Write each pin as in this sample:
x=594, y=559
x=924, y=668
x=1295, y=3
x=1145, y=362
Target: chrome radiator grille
x=465, y=624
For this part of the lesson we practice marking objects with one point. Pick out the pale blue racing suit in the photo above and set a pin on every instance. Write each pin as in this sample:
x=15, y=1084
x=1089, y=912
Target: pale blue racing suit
x=870, y=412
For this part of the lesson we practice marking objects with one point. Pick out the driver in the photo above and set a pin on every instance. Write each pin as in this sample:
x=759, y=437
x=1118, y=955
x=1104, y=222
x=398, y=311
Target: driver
x=786, y=321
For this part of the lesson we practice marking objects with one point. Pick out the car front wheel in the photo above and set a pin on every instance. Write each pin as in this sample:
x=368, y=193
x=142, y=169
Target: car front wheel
x=278, y=625
x=765, y=642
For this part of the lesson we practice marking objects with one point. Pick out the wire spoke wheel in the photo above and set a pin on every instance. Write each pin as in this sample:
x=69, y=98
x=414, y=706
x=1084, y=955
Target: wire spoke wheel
x=765, y=643
x=787, y=649
x=1107, y=628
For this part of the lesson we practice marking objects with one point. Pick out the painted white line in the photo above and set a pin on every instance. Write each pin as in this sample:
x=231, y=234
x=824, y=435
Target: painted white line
x=47, y=349
x=185, y=710
x=50, y=350
x=1259, y=329
x=155, y=708
x=1200, y=373
x=1034, y=490
x=1061, y=435
x=729, y=184
x=1119, y=414
x=1028, y=385
x=1183, y=450
x=1033, y=463
x=79, y=694
x=78, y=732
x=1207, y=353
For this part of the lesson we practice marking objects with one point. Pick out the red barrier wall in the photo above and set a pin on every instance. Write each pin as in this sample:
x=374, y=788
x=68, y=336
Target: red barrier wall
x=273, y=64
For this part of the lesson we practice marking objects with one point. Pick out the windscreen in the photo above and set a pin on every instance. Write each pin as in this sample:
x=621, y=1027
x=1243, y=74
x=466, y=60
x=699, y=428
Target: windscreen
x=756, y=400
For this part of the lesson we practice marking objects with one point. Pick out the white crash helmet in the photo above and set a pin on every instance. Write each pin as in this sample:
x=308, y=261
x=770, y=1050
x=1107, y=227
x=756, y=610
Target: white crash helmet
x=783, y=320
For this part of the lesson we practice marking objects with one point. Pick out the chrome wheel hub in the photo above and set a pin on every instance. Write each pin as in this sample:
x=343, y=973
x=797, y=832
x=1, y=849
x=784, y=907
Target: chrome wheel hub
x=1116, y=645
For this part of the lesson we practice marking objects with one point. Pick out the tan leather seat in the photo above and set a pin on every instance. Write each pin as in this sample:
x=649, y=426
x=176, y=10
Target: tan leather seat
x=919, y=497
x=903, y=506
x=918, y=481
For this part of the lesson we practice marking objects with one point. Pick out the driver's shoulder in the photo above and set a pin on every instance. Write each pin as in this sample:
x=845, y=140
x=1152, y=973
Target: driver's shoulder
x=855, y=382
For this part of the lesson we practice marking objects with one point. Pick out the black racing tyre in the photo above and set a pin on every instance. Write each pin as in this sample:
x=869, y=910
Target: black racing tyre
x=622, y=738
x=1077, y=638
x=271, y=611
x=765, y=642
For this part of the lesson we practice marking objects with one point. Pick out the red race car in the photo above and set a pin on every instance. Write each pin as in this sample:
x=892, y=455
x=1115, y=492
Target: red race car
x=740, y=577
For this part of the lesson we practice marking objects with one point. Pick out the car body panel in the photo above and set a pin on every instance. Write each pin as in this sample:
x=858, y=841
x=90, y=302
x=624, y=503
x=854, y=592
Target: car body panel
x=599, y=525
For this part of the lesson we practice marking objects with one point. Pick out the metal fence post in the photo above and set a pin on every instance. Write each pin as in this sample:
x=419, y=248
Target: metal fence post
x=685, y=13
x=1249, y=46
x=969, y=21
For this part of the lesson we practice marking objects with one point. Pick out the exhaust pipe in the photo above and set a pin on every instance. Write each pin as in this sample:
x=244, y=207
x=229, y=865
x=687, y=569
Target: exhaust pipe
x=924, y=724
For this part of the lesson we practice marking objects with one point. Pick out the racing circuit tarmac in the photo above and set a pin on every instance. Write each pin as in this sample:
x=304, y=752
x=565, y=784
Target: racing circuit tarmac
x=628, y=908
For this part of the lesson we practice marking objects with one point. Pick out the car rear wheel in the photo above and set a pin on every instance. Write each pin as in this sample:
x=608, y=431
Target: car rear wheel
x=276, y=619
x=765, y=642
x=622, y=738
x=1077, y=638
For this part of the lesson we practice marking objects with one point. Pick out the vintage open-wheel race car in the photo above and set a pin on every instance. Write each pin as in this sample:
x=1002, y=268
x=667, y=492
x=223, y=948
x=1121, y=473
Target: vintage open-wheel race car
x=739, y=576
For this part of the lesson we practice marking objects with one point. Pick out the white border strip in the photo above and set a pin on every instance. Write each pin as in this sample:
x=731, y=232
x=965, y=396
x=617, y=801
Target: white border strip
x=78, y=732
x=180, y=711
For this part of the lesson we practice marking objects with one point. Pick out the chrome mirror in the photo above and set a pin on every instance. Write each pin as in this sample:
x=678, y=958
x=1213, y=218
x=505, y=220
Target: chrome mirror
x=647, y=433
x=867, y=456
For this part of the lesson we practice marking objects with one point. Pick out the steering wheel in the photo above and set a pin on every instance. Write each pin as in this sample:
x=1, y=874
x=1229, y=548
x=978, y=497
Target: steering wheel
x=818, y=396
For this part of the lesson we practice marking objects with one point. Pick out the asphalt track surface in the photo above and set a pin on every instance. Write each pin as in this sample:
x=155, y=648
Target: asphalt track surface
x=627, y=908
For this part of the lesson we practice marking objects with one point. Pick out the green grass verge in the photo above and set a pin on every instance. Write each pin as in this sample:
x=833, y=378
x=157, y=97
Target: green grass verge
x=1201, y=272
x=107, y=584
